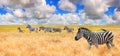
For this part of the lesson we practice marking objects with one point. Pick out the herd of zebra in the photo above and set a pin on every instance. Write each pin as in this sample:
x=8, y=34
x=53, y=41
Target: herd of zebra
x=93, y=38
x=46, y=29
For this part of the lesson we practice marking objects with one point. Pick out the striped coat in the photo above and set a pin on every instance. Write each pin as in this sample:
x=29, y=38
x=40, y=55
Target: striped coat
x=95, y=38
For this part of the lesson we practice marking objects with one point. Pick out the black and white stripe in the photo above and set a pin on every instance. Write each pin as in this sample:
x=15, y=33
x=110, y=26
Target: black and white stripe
x=95, y=38
x=31, y=29
x=68, y=29
x=57, y=30
x=46, y=29
x=20, y=30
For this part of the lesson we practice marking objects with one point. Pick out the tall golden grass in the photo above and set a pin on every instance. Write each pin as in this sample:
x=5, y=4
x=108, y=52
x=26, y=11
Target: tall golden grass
x=13, y=43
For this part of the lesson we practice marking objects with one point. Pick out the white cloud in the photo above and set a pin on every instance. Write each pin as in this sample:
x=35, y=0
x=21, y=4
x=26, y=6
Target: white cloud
x=115, y=3
x=76, y=1
x=66, y=5
x=42, y=13
x=72, y=18
x=116, y=17
x=64, y=19
x=19, y=13
x=57, y=19
x=20, y=3
x=34, y=8
x=86, y=20
x=95, y=9
x=7, y=19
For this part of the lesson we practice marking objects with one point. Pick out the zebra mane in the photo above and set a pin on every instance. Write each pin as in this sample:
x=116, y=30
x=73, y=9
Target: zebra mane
x=84, y=29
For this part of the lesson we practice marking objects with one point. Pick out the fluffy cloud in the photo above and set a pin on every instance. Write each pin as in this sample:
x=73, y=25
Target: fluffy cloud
x=19, y=13
x=72, y=18
x=95, y=9
x=33, y=9
x=64, y=19
x=57, y=19
x=22, y=3
x=115, y=3
x=66, y=5
x=116, y=17
x=76, y=1
x=42, y=13
x=7, y=19
x=86, y=20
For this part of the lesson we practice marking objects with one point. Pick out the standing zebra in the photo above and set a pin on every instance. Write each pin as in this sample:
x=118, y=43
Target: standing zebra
x=46, y=29
x=95, y=38
x=20, y=30
x=68, y=29
x=31, y=29
x=57, y=30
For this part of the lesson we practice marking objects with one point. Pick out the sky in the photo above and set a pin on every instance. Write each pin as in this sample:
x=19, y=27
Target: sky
x=62, y=12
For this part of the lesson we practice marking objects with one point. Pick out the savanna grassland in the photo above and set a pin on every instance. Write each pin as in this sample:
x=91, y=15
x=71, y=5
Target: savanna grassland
x=13, y=43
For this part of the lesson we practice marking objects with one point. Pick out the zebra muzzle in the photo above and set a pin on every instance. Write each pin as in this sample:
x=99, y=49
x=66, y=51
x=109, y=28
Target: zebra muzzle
x=76, y=38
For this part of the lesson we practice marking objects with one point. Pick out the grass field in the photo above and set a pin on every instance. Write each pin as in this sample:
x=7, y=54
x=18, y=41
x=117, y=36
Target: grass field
x=13, y=43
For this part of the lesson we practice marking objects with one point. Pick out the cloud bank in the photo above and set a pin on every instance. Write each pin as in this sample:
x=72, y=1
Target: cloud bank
x=39, y=12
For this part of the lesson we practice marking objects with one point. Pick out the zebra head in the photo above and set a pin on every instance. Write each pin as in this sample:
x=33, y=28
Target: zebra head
x=65, y=27
x=79, y=34
x=18, y=28
x=82, y=32
x=28, y=26
x=41, y=28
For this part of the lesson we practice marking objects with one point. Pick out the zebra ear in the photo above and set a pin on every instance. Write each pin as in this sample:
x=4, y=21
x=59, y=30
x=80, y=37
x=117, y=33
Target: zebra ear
x=78, y=28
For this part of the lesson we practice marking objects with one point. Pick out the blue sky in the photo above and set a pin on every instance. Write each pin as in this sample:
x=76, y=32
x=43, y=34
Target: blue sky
x=3, y=11
x=59, y=12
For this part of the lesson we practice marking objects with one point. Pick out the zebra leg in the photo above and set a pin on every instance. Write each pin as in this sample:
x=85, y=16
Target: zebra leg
x=36, y=31
x=89, y=45
x=44, y=31
x=96, y=44
x=111, y=43
x=108, y=46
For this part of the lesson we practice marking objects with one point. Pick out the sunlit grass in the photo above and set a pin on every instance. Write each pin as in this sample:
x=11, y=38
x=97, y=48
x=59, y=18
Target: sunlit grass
x=13, y=43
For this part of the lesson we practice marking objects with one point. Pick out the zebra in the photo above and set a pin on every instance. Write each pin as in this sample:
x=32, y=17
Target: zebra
x=46, y=29
x=68, y=29
x=32, y=29
x=57, y=30
x=95, y=38
x=20, y=30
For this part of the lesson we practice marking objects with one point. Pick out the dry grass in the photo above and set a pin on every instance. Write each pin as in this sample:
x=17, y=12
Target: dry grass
x=53, y=44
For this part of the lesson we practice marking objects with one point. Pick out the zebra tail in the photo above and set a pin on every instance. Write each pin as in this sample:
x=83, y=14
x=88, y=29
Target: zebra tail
x=104, y=30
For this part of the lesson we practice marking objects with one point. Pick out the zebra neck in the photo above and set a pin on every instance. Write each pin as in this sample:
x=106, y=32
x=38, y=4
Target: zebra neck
x=86, y=35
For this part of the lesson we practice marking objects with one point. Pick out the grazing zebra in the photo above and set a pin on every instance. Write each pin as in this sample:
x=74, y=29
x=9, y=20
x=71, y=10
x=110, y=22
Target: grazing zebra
x=20, y=30
x=68, y=29
x=95, y=38
x=32, y=29
x=46, y=29
x=57, y=30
